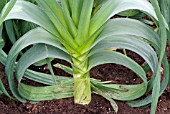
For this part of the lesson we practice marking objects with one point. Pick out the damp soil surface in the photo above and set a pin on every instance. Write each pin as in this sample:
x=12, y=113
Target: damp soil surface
x=98, y=105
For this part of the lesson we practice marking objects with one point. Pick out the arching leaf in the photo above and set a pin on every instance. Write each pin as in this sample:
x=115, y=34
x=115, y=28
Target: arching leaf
x=125, y=26
x=163, y=86
x=131, y=43
x=121, y=26
x=103, y=57
x=24, y=10
x=112, y=7
x=37, y=53
x=32, y=37
x=6, y=10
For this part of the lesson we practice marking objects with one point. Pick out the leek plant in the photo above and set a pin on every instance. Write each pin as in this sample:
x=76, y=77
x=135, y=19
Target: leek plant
x=82, y=33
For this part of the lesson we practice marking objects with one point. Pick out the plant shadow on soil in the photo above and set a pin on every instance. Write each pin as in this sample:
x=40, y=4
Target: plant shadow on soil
x=98, y=105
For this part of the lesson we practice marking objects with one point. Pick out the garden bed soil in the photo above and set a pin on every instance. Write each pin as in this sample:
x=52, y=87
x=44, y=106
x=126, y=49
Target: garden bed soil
x=98, y=105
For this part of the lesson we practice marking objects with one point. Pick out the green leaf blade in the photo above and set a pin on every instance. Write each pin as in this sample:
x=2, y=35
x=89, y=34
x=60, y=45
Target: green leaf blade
x=112, y=7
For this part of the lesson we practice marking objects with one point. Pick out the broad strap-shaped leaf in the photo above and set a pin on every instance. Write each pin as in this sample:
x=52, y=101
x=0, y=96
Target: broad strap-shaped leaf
x=103, y=57
x=115, y=91
x=84, y=22
x=37, y=53
x=3, y=15
x=62, y=30
x=120, y=26
x=67, y=14
x=107, y=56
x=47, y=78
x=76, y=10
x=30, y=38
x=163, y=36
x=24, y=10
x=42, y=52
x=37, y=35
x=132, y=43
x=37, y=76
x=121, y=91
x=48, y=52
x=6, y=10
x=165, y=9
x=45, y=93
x=53, y=7
x=126, y=26
x=112, y=7
x=163, y=86
x=10, y=31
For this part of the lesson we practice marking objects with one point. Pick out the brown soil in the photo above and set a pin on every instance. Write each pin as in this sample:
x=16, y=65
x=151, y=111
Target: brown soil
x=98, y=105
